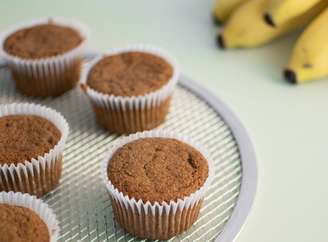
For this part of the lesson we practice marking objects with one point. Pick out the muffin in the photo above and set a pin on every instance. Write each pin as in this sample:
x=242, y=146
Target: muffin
x=44, y=56
x=32, y=139
x=157, y=182
x=25, y=218
x=130, y=89
x=18, y=222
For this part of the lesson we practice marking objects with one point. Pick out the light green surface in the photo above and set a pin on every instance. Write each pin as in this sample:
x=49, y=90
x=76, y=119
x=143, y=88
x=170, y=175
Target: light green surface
x=287, y=124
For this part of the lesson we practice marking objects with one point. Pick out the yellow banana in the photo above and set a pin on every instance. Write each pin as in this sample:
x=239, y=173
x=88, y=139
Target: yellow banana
x=280, y=11
x=245, y=27
x=223, y=9
x=309, y=59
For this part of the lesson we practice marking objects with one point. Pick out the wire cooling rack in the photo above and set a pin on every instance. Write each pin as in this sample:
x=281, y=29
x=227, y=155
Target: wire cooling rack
x=81, y=202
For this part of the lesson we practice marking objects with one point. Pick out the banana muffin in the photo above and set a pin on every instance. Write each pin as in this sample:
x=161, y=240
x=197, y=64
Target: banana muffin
x=135, y=89
x=26, y=137
x=45, y=57
x=157, y=184
x=130, y=74
x=32, y=140
x=157, y=169
x=41, y=41
x=19, y=224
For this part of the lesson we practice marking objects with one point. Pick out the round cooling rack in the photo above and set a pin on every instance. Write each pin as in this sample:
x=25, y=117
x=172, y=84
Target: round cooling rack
x=81, y=202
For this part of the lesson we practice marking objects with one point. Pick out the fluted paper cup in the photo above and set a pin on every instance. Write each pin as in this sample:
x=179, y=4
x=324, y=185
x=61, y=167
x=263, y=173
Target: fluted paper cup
x=37, y=206
x=121, y=114
x=158, y=220
x=49, y=76
x=39, y=175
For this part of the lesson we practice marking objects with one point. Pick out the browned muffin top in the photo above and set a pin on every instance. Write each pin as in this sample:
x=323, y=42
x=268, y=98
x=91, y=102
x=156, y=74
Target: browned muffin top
x=130, y=74
x=157, y=169
x=41, y=41
x=20, y=224
x=23, y=137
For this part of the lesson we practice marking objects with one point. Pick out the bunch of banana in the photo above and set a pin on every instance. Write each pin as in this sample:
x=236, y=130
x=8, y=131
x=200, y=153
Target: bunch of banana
x=251, y=23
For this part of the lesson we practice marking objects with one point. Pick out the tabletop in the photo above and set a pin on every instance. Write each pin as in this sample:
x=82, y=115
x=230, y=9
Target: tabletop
x=287, y=124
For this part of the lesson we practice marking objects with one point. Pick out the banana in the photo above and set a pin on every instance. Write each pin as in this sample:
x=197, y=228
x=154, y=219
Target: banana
x=309, y=59
x=223, y=9
x=280, y=11
x=245, y=27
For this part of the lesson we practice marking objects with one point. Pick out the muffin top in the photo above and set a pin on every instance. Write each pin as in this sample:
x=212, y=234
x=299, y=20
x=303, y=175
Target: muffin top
x=129, y=74
x=20, y=224
x=23, y=137
x=41, y=41
x=157, y=169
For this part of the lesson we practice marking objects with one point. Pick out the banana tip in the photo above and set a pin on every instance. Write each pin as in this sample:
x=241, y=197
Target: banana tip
x=220, y=41
x=290, y=76
x=269, y=20
x=216, y=20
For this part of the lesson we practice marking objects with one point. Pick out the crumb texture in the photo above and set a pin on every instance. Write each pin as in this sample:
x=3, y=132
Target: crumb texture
x=130, y=74
x=23, y=137
x=20, y=224
x=41, y=41
x=157, y=169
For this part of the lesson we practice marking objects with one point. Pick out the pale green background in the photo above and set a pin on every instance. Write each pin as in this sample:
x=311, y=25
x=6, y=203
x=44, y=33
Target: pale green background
x=288, y=124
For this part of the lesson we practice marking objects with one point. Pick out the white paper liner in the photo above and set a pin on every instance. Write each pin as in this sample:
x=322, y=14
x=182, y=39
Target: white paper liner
x=38, y=166
x=36, y=205
x=138, y=205
x=152, y=99
x=42, y=68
